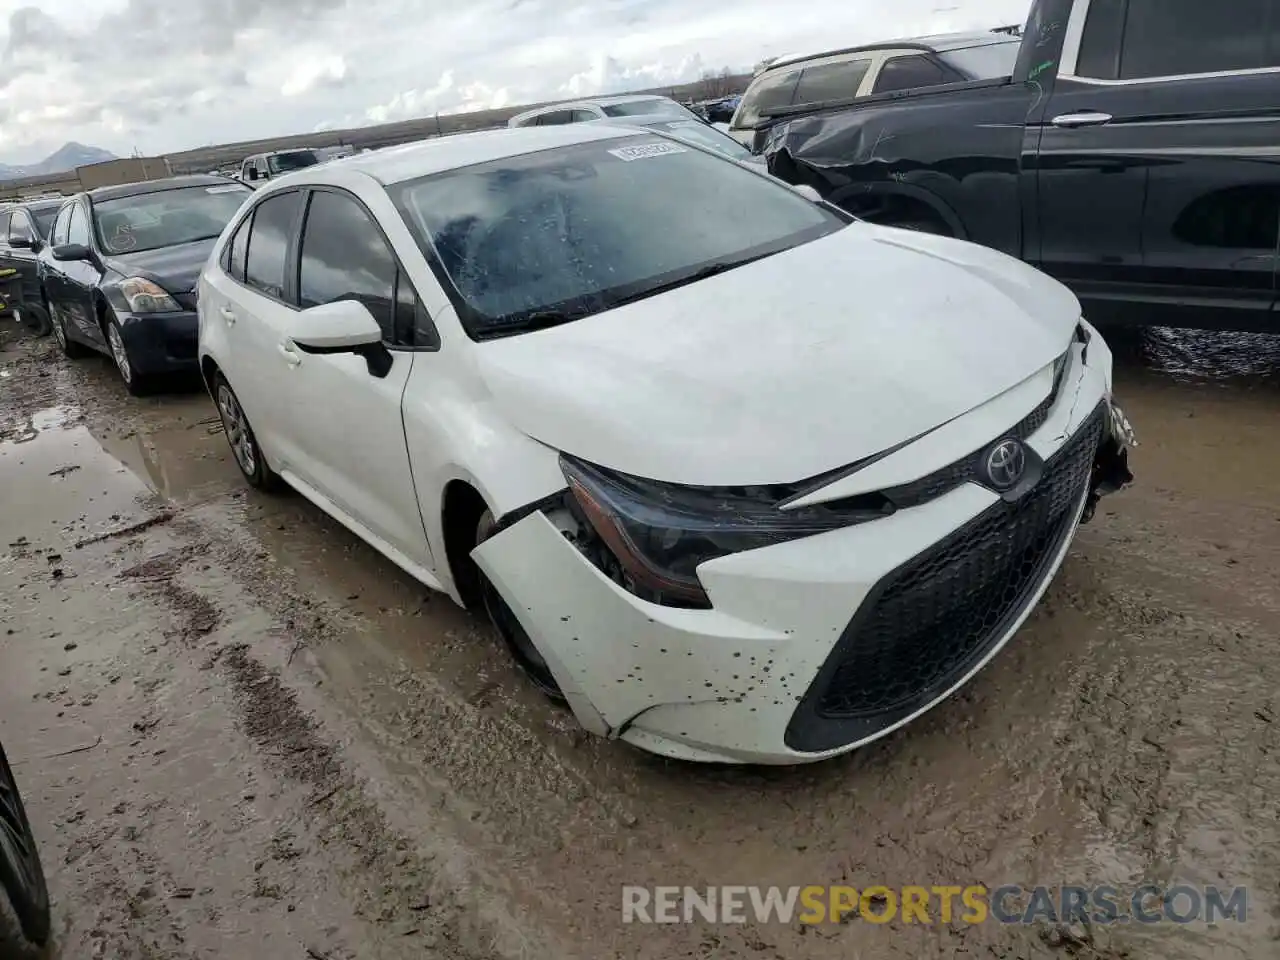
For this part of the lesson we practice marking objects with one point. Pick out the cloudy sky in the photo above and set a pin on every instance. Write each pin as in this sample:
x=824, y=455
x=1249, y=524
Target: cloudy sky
x=165, y=75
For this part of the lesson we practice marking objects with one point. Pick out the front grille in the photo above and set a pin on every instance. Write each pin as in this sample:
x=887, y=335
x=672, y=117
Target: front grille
x=965, y=469
x=934, y=618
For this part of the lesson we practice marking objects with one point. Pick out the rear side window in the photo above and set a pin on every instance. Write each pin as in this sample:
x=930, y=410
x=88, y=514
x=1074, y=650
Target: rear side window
x=904, y=73
x=555, y=118
x=344, y=257
x=1140, y=39
x=830, y=81
x=584, y=116
x=269, y=236
x=768, y=92
x=4, y=224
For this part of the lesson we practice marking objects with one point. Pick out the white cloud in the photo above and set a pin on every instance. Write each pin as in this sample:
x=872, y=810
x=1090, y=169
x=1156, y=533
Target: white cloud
x=222, y=70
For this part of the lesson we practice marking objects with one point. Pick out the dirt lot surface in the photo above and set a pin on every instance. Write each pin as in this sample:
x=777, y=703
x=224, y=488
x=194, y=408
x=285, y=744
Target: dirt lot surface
x=243, y=734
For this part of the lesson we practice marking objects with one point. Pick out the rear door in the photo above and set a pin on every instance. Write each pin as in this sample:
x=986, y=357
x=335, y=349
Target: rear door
x=20, y=258
x=1159, y=179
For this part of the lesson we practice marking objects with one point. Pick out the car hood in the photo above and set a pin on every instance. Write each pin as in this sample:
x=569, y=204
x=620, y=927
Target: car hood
x=176, y=268
x=787, y=367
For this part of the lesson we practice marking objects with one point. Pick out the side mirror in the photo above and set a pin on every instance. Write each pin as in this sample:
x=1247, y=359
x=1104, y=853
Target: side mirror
x=21, y=243
x=71, y=251
x=808, y=192
x=344, y=326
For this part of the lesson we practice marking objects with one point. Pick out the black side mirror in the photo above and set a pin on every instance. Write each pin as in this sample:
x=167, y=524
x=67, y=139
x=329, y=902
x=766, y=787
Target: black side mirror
x=21, y=243
x=71, y=251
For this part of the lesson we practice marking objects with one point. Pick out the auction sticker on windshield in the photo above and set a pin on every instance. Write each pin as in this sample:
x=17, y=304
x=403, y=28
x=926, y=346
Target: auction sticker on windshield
x=647, y=150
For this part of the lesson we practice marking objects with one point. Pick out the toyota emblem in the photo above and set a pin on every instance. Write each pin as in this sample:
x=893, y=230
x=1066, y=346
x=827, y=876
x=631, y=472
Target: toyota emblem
x=1006, y=463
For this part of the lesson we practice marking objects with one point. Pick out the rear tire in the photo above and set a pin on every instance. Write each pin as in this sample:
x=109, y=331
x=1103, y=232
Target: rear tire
x=35, y=318
x=70, y=348
x=244, y=445
x=24, y=898
x=508, y=626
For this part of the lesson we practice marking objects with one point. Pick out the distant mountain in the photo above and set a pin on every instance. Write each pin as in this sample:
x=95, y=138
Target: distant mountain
x=65, y=158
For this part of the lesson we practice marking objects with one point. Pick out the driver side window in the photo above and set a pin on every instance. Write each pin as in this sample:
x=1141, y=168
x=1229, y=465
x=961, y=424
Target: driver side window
x=78, y=227
x=58, y=235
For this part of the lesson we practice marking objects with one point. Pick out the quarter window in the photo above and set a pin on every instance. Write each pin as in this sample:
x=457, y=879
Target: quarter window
x=766, y=93
x=273, y=223
x=906, y=73
x=555, y=118
x=344, y=257
x=1141, y=39
x=237, y=249
x=831, y=81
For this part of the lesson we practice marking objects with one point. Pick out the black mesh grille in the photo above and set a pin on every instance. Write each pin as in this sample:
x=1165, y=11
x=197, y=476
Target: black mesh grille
x=966, y=468
x=931, y=620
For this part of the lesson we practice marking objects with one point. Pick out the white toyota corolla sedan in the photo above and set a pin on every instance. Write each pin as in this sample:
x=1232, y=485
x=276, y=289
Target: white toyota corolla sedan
x=736, y=476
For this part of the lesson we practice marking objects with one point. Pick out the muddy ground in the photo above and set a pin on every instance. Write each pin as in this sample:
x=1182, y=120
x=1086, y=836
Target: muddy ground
x=244, y=734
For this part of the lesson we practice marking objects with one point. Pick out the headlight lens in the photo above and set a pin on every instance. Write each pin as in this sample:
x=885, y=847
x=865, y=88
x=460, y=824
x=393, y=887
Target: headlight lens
x=144, y=296
x=658, y=534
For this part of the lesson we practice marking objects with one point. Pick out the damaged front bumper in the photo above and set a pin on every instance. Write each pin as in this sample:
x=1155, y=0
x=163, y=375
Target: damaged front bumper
x=1111, y=467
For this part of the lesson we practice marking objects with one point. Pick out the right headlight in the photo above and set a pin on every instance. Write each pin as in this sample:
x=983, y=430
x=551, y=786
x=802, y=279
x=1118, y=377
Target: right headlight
x=655, y=535
x=146, y=296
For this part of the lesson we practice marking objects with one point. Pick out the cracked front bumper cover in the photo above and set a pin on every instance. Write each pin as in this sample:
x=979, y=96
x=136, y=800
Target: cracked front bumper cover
x=1111, y=466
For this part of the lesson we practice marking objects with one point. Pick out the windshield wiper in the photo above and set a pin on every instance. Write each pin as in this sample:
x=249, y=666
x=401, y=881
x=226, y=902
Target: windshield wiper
x=702, y=273
x=538, y=320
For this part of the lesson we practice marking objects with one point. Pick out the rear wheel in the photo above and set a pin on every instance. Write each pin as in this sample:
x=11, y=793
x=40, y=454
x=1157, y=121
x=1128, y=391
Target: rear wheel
x=33, y=317
x=24, y=898
x=244, y=445
x=70, y=348
x=508, y=626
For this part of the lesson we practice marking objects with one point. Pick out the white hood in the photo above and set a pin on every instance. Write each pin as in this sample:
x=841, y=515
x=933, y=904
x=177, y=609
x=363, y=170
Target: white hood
x=788, y=367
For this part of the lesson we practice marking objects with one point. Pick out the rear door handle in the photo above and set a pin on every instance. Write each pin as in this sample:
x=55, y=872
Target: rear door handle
x=290, y=355
x=228, y=315
x=1082, y=118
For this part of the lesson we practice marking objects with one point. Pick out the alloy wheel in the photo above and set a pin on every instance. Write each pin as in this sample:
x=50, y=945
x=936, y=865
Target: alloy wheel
x=118, y=352
x=237, y=430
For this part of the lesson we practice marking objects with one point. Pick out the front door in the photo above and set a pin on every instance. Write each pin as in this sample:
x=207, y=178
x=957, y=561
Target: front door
x=1160, y=159
x=350, y=445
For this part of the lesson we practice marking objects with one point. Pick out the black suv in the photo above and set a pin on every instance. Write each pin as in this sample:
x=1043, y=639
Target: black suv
x=24, y=231
x=1130, y=152
x=24, y=898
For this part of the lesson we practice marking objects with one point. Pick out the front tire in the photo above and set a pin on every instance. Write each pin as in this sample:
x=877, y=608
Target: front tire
x=136, y=383
x=24, y=898
x=508, y=626
x=244, y=445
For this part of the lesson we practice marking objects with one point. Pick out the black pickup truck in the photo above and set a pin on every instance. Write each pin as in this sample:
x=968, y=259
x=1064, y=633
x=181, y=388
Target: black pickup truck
x=1134, y=154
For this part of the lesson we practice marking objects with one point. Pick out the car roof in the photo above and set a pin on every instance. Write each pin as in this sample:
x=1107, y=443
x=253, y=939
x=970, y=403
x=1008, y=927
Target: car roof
x=937, y=42
x=155, y=186
x=439, y=154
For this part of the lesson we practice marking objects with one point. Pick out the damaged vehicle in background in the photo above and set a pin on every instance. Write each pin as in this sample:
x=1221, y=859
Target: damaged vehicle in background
x=24, y=230
x=1128, y=150
x=736, y=476
x=119, y=273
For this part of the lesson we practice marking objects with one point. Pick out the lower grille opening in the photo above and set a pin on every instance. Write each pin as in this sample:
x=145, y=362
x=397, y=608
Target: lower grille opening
x=933, y=619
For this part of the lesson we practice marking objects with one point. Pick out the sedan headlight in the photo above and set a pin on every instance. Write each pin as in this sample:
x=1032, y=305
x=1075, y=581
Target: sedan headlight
x=144, y=296
x=654, y=535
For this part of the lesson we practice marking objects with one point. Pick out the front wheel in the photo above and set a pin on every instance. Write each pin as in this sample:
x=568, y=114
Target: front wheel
x=136, y=383
x=508, y=626
x=24, y=898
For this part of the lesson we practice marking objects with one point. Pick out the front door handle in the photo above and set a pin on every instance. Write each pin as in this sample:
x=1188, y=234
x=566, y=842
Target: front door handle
x=228, y=315
x=291, y=356
x=1082, y=118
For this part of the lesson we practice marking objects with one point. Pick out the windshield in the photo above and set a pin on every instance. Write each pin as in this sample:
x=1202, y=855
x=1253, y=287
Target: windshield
x=706, y=136
x=986, y=62
x=644, y=108
x=568, y=232
x=43, y=217
x=166, y=218
x=284, y=162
